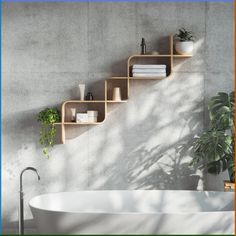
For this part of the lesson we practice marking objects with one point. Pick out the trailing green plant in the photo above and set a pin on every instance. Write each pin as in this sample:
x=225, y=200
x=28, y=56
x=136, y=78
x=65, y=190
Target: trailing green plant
x=184, y=35
x=47, y=118
x=215, y=149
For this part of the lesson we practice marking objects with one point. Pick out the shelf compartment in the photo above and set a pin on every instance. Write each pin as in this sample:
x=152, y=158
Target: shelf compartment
x=83, y=107
x=150, y=60
x=122, y=83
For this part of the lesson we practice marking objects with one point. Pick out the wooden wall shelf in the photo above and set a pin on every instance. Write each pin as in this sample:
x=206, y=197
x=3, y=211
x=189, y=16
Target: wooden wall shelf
x=117, y=81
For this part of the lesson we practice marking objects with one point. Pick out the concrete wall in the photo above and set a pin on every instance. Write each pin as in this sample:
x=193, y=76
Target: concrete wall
x=48, y=48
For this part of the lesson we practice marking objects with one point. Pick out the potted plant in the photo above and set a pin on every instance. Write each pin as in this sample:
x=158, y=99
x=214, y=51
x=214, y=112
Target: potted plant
x=184, y=45
x=214, y=149
x=47, y=118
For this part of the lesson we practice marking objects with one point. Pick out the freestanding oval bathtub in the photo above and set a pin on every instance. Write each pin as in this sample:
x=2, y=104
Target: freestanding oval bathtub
x=134, y=212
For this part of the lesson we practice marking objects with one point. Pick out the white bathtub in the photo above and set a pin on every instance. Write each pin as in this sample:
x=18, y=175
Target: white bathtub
x=134, y=212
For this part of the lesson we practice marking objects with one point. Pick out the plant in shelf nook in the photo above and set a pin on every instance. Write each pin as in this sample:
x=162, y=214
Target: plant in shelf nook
x=47, y=118
x=185, y=44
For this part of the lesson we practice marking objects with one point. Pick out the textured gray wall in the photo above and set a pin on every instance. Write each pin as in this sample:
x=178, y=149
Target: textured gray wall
x=48, y=48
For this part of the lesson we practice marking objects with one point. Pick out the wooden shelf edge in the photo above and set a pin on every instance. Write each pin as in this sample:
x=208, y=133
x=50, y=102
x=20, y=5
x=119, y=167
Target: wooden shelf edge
x=82, y=123
x=149, y=55
x=183, y=56
x=122, y=101
x=85, y=101
x=117, y=77
x=147, y=78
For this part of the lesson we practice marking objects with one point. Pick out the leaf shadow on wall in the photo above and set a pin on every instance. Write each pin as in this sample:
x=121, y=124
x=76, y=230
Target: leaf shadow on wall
x=138, y=166
x=137, y=160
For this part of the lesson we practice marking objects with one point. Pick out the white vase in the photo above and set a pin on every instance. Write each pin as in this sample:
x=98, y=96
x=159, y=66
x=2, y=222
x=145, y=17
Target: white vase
x=116, y=94
x=81, y=91
x=184, y=48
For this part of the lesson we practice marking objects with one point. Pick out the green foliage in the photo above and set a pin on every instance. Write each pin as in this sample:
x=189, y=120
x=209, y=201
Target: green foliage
x=47, y=118
x=215, y=147
x=184, y=35
x=221, y=111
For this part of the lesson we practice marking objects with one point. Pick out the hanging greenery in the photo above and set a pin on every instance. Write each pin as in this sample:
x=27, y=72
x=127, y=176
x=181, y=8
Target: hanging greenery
x=47, y=118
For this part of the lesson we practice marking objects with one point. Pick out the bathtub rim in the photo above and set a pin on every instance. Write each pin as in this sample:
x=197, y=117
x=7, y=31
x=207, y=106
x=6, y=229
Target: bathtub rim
x=128, y=212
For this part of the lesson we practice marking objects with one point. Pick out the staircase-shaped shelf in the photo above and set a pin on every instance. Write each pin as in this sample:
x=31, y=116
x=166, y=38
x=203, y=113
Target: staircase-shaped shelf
x=122, y=82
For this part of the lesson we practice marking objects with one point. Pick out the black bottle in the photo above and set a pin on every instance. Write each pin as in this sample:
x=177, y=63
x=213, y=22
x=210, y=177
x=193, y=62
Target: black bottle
x=89, y=96
x=143, y=47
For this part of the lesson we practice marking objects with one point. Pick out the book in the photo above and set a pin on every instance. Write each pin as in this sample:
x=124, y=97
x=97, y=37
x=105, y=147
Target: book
x=149, y=75
x=136, y=66
x=149, y=70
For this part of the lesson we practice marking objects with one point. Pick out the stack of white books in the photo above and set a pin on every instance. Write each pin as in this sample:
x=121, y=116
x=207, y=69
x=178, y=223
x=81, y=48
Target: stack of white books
x=158, y=71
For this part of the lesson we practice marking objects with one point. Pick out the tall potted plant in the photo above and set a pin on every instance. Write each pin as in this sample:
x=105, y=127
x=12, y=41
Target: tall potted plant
x=184, y=45
x=214, y=149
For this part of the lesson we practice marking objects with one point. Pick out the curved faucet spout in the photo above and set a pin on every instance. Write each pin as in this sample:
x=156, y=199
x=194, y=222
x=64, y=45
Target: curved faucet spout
x=22, y=172
x=21, y=202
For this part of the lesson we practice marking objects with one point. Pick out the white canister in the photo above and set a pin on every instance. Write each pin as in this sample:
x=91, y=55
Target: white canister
x=92, y=116
x=116, y=94
x=81, y=117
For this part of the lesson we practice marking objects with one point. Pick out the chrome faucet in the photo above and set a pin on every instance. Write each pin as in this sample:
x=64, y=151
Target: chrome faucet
x=21, y=203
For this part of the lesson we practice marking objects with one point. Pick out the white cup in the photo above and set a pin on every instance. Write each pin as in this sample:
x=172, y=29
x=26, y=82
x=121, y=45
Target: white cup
x=116, y=94
x=92, y=113
x=92, y=116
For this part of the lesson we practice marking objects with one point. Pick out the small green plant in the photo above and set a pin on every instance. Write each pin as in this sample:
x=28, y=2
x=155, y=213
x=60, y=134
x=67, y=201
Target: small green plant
x=215, y=147
x=184, y=35
x=47, y=118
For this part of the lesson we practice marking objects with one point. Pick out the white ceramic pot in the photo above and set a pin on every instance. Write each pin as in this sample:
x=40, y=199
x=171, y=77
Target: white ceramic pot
x=184, y=48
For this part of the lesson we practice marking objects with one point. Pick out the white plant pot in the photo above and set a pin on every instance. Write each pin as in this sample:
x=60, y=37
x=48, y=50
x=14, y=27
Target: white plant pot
x=184, y=48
